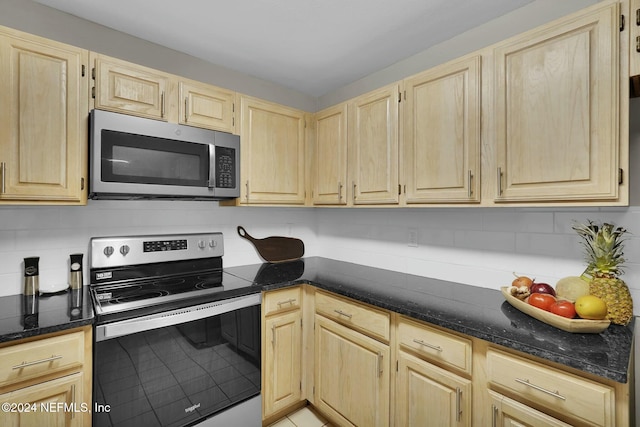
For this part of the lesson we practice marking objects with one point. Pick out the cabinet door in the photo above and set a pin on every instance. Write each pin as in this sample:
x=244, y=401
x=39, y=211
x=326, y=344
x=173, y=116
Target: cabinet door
x=53, y=403
x=634, y=57
x=282, y=367
x=509, y=413
x=441, y=160
x=272, y=151
x=557, y=110
x=330, y=156
x=206, y=106
x=43, y=125
x=428, y=395
x=129, y=88
x=351, y=376
x=373, y=161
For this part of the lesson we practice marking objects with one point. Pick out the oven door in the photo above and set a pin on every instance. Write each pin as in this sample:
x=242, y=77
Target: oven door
x=179, y=367
x=135, y=156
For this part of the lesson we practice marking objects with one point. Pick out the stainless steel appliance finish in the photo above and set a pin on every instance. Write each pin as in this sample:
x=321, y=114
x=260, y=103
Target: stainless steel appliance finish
x=133, y=157
x=177, y=340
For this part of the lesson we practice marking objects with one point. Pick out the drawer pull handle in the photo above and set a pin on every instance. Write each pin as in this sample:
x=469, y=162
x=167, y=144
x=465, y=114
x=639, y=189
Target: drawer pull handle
x=544, y=390
x=289, y=301
x=380, y=369
x=37, y=362
x=342, y=313
x=494, y=416
x=426, y=344
x=458, y=404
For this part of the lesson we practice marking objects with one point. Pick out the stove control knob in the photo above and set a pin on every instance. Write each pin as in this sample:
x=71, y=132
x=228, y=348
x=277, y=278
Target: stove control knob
x=202, y=244
x=124, y=250
x=213, y=243
x=108, y=251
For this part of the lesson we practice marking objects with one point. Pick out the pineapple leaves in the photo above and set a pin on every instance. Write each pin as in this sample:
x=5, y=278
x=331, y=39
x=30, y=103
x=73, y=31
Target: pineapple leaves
x=603, y=244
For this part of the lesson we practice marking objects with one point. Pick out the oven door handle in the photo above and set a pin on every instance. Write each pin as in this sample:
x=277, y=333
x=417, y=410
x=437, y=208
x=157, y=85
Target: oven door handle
x=174, y=317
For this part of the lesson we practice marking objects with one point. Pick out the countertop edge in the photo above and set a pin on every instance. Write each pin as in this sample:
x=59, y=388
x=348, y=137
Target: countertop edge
x=28, y=333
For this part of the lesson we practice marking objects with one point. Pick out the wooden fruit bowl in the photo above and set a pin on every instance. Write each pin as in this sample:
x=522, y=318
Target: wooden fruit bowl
x=578, y=326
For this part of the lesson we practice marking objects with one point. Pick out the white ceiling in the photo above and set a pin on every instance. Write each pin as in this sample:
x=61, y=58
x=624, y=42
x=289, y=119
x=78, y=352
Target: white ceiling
x=313, y=46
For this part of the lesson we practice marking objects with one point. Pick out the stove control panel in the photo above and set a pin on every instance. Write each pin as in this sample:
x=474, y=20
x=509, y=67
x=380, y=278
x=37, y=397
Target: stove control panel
x=165, y=245
x=134, y=250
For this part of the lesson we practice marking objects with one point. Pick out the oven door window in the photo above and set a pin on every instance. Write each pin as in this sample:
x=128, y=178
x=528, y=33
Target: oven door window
x=142, y=159
x=177, y=375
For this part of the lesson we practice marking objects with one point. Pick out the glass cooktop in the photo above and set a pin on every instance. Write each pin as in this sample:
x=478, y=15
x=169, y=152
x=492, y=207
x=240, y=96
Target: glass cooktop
x=121, y=297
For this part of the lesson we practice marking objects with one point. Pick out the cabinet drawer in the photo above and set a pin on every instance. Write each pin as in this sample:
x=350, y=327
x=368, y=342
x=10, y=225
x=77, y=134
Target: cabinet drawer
x=25, y=361
x=282, y=300
x=585, y=401
x=357, y=316
x=435, y=345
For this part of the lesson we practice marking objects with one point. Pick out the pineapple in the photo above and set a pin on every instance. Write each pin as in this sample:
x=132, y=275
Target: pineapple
x=603, y=251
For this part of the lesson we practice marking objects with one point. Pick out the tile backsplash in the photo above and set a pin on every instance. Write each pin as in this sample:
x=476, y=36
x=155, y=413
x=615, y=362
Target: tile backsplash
x=52, y=233
x=476, y=246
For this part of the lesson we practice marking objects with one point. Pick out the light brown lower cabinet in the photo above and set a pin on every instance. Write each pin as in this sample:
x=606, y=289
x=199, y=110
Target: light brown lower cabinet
x=507, y=412
x=46, y=381
x=284, y=336
x=351, y=376
x=281, y=350
x=51, y=403
x=427, y=395
x=579, y=401
x=369, y=367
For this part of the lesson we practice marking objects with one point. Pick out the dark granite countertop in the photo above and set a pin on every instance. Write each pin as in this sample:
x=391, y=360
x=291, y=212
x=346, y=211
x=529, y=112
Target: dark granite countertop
x=53, y=312
x=474, y=311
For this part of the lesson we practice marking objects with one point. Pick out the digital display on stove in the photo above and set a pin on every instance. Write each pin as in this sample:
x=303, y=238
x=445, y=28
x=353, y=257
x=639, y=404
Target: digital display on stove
x=165, y=245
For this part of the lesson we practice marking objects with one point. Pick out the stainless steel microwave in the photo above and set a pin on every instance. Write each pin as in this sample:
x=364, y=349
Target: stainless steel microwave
x=137, y=158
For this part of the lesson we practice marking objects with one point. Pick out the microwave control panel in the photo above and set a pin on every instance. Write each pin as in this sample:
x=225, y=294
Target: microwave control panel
x=225, y=167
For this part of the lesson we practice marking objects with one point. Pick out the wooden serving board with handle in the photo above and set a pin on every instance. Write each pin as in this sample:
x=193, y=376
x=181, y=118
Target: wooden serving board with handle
x=275, y=248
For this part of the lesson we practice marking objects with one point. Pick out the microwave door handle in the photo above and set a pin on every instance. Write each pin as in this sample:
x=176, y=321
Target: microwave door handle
x=212, y=168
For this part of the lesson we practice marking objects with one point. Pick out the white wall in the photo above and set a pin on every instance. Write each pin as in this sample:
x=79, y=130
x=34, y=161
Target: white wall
x=52, y=233
x=477, y=246
x=34, y=18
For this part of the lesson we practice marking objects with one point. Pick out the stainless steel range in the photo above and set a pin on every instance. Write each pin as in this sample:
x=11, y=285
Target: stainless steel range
x=177, y=340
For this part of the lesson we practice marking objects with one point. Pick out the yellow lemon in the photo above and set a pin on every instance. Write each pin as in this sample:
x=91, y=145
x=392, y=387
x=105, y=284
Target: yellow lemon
x=591, y=307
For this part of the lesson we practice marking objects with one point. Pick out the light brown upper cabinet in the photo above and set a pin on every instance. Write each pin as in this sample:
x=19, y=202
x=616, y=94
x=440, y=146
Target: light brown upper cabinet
x=206, y=106
x=557, y=110
x=272, y=153
x=634, y=56
x=441, y=161
x=330, y=156
x=373, y=145
x=129, y=88
x=43, y=125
